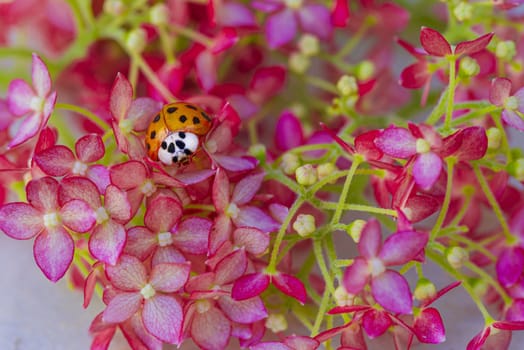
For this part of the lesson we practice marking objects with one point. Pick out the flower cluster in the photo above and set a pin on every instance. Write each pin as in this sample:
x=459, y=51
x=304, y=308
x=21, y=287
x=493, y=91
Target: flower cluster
x=323, y=188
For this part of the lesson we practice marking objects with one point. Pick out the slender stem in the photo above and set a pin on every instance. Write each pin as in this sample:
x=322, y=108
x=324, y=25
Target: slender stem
x=343, y=196
x=488, y=278
x=322, y=309
x=450, y=161
x=152, y=77
x=317, y=248
x=353, y=42
x=468, y=193
x=85, y=112
x=358, y=207
x=191, y=34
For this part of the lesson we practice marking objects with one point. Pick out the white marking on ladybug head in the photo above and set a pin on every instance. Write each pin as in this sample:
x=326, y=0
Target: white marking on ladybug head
x=177, y=146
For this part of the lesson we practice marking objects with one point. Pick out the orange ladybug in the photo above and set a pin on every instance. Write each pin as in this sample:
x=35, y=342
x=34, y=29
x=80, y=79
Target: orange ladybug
x=174, y=133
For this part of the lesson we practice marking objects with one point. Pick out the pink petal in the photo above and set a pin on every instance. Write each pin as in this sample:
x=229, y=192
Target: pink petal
x=142, y=111
x=281, y=28
x=245, y=311
x=19, y=95
x=426, y=169
x=370, y=239
x=121, y=139
x=78, y=216
x=316, y=19
x=231, y=267
x=243, y=105
x=77, y=187
x=301, y=342
x=365, y=145
x=340, y=13
x=513, y=119
x=288, y=132
x=211, y=330
x=128, y=175
x=168, y=255
x=234, y=15
x=356, y=276
x=510, y=264
x=107, y=241
x=194, y=177
x=162, y=214
x=129, y=274
x=291, y=286
x=120, y=98
x=220, y=192
x=434, y=43
x=122, y=307
x=255, y=217
x=266, y=82
x=169, y=278
x=192, y=235
x=397, y=142
x=419, y=207
x=391, y=291
x=140, y=242
x=401, y=247
x=270, y=345
x=415, y=76
x=375, y=323
x=40, y=76
x=499, y=91
x=49, y=105
x=162, y=316
x=246, y=189
x=90, y=148
x=99, y=174
x=473, y=46
x=428, y=327
x=27, y=130
x=233, y=163
x=249, y=286
x=226, y=38
x=53, y=252
x=20, y=220
x=253, y=240
x=473, y=143
x=56, y=160
x=205, y=65
x=42, y=194
x=220, y=232
x=117, y=204
x=134, y=328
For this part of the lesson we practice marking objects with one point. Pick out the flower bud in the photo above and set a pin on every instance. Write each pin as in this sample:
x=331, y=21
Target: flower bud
x=276, y=323
x=304, y=225
x=456, y=256
x=159, y=14
x=308, y=45
x=480, y=286
x=136, y=40
x=516, y=169
x=425, y=289
x=298, y=63
x=258, y=151
x=347, y=85
x=506, y=50
x=325, y=169
x=342, y=297
x=494, y=138
x=463, y=11
x=364, y=70
x=355, y=229
x=114, y=7
x=290, y=163
x=468, y=67
x=306, y=175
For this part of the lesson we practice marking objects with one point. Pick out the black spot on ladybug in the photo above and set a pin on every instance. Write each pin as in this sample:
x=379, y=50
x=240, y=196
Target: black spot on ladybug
x=188, y=152
x=171, y=110
x=148, y=146
x=153, y=134
x=175, y=159
x=157, y=118
x=164, y=145
x=171, y=148
x=196, y=120
x=180, y=144
x=182, y=118
x=191, y=107
x=206, y=116
x=182, y=135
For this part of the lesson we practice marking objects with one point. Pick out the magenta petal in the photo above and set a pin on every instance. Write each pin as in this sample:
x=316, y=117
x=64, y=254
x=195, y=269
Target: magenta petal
x=500, y=90
x=428, y=327
x=120, y=98
x=291, y=286
x=168, y=255
x=162, y=214
x=220, y=193
x=510, y=265
x=19, y=95
x=249, y=286
x=473, y=46
x=288, y=132
x=140, y=242
x=266, y=82
x=397, y=142
x=27, y=130
x=370, y=239
x=122, y=307
x=99, y=174
x=356, y=276
x=270, y=345
x=513, y=119
x=78, y=216
x=107, y=241
x=211, y=330
x=42, y=194
x=245, y=311
x=434, y=43
x=375, y=323
x=56, y=160
x=401, y=247
x=340, y=13
x=474, y=143
x=192, y=235
x=77, y=187
x=301, y=342
x=426, y=169
x=90, y=148
x=169, y=278
x=117, y=204
x=316, y=19
x=281, y=28
x=128, y=175
x=40, y=76
x=20, y=220
x=53, y=252
x=233, y=14
x=391, y=291
x=162, y=316
x=246, y=189
x=231, y=267
x=253, y=240
x=128, y=275
x=194, y=177
x=205, y=65
x=415, y=76
x=255, y=217
x=233, y=163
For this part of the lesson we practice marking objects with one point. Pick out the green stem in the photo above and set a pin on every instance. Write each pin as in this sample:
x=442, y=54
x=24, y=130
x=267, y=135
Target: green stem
x=322, y=309
x=488, y=278
x=317, y=248
x=85, y=112
x=467, y=193
x=358, y=207
x=343, y=196
x=152, y=77
x=450, y=161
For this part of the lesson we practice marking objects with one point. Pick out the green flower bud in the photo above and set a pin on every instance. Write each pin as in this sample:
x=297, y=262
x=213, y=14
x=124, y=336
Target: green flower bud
x=308, y=45
x=159, y=14
x=468, y=67
x=516, y=169
x=506, y=50
x=114, y=7
x=276, y=323
x=306, y=175
x=298, y=63
x=347, y=85
x=304, y=225
x=494, y=137
x=290, y=163
x=463, y=11
x=136, y=40
x=259, y=152
x=364, y=70
x=425, y=289
x=355, y=229
x=456, y=256
x=325, y=169
x=342, y=297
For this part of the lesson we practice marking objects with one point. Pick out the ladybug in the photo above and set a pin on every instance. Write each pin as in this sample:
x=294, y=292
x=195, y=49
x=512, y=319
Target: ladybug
x=175, y=132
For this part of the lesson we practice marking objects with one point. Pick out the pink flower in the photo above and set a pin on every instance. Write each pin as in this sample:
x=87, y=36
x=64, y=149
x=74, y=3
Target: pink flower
x=289, y=343
x=150, y=293
x=513, y=105
x=389, y=288
x=33, y=103
x=47, y=219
